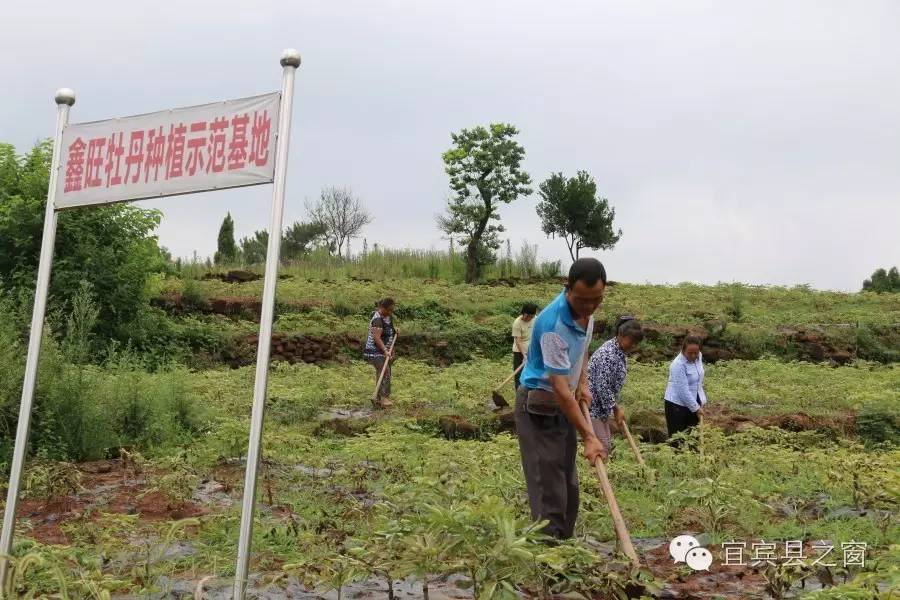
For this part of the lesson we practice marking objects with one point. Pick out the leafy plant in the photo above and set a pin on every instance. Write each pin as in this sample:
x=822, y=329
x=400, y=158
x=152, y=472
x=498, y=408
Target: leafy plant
x=332, y=571
x=174, y=479
x=781, y=577
x=49, y=480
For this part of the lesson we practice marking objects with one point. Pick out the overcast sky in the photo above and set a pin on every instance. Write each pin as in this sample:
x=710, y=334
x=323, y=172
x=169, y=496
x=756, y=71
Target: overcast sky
x=738, y=141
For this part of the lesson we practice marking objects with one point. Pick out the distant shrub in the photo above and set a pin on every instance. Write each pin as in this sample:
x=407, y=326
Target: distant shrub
x=430, y=310
x=434, y=266
x=883, y=281
x=876, y=423
x=551, y=268
x=83, y=412
x=193, y=297
x=527, y=261
x=870, y=343
x=736, y=307
x=290, y=411
x=342, y=309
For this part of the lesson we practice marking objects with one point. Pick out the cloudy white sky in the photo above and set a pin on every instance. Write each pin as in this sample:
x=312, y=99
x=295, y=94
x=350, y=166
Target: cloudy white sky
x=738, y=141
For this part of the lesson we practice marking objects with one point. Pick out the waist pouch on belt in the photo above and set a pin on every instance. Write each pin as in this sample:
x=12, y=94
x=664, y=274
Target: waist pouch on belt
x=541, y=402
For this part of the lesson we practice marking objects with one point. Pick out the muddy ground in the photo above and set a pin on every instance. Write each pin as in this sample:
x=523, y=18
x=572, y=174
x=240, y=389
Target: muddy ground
x=111, y=486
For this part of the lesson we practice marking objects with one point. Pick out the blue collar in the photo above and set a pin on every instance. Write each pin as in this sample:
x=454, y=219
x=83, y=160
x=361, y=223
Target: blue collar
x=566, y=314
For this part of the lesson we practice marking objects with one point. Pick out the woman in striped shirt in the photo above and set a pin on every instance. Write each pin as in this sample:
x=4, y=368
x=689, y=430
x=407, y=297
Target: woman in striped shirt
x=378, y=349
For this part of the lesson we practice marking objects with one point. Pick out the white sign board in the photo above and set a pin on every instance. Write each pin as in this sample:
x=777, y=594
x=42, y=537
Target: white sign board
x=178, y=151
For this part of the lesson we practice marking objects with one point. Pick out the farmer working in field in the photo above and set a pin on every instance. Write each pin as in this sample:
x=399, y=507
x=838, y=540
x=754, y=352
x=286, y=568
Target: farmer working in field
x=548, y=415
x=378, y=351
x=607, y=370
x=684, y=392
x=521, y=332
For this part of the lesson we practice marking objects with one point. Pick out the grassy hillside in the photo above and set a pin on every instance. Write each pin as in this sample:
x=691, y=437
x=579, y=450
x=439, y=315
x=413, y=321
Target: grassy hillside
x=214, y=318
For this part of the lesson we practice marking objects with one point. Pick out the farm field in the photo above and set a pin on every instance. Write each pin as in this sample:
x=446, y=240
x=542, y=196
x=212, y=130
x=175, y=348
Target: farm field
x=137, y=493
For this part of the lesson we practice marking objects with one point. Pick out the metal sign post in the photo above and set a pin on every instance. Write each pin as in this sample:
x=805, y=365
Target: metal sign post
x=290, y=60
x=65, y=98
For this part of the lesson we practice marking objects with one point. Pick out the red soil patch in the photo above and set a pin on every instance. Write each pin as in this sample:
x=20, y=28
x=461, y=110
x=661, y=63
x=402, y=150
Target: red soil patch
x=107, y=488
x=730, y=422
x=719, y=582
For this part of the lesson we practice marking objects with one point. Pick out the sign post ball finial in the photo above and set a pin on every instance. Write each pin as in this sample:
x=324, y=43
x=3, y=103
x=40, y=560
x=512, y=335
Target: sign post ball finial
x=290, y=58
x=65, y=96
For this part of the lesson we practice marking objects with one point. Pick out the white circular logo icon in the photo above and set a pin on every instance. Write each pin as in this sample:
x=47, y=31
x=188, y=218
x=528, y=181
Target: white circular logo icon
x=680, y=546
x=699, y=559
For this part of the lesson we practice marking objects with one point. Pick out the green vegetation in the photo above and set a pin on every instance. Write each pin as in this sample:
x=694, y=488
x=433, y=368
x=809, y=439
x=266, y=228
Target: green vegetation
x=455, y=321
x=227, y=250
x=112, y=247
x=398, y=499
x=484, y=166
x=883, y=281
x=571, y=209
x=85, y=411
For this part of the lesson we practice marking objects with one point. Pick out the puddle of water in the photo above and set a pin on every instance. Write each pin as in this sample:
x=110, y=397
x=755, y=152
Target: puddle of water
x=349, y=413
x=212, y=493
x=307, y=470
x=843, y=512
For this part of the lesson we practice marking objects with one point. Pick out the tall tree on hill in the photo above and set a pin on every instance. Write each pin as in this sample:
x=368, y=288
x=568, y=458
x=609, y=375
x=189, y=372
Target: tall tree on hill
x=484, y=166
x=571, y=209
x=342, y=214
x=227, y=250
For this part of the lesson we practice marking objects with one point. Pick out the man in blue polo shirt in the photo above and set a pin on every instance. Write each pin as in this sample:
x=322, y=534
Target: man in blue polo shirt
x=548, y=410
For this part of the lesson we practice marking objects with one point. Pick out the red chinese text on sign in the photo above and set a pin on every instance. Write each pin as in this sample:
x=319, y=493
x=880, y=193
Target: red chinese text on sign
x=227, y=144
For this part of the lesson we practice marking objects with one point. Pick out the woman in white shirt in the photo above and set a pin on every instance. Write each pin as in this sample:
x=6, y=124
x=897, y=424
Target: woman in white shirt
x=684, y=393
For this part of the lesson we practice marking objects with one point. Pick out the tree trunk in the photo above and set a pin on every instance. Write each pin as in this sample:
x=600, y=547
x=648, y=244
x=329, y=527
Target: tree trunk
x=570, y=245
x=475, y=240
x=425, y=588
x=472, y=260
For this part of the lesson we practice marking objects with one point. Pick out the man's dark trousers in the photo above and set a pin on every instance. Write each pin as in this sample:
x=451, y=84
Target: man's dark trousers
x=548, y=446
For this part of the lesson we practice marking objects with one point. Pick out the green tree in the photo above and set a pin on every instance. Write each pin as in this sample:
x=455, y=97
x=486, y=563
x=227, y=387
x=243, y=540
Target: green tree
x=883, y=281
x=484, y=166
x=111, y=247
x=300, y=238
x=227, y=250
x=254, y=247
x=571, y=209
